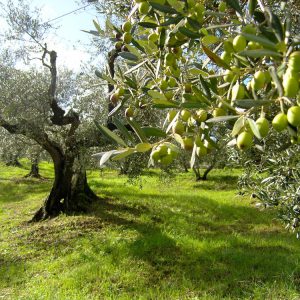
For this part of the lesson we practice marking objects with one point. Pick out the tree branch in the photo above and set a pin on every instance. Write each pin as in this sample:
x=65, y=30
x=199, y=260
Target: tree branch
x=59, y=117
x=33, y=132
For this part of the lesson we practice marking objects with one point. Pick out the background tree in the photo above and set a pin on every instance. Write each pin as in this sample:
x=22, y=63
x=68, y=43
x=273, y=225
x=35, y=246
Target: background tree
x=11, y=149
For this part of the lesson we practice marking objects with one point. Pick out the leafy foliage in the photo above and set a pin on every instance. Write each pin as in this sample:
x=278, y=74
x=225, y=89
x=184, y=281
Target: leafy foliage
x=202, y=64
x=272, y=176
x=163, y=69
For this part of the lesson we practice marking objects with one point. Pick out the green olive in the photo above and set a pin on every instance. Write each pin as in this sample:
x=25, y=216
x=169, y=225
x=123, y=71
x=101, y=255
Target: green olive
x=187, y=143
x=178, y=127
x=294, y=61
x=144, y=8
x=238, y=91
x=171, y=115
x=263, y=126
x=258, y=81
x=218, y=112
x=291, y=87
x=185, y=115
x=127, y=38
x=244, y=140
x=126, y=27
x=293, y=115
x=239, y=43
x=280, y=122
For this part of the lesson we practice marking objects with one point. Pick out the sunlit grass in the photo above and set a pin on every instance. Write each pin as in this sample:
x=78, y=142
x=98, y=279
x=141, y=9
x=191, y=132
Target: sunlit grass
x=172, y=239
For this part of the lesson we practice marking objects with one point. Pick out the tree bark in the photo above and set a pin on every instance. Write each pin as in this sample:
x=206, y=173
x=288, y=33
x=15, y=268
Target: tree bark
x=70, y=192
x=34, y=171
x=205, y=174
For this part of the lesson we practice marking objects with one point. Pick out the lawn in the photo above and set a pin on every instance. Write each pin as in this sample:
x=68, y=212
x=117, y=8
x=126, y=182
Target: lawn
x=172, y=239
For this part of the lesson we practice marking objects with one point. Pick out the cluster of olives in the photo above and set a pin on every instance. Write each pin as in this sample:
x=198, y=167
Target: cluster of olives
x=163, y=154
x=184, y=127
x=245, y=138
x=260, y=79
x=125, y=38
x=291, y=89
x=185, y=123
x=281, y=121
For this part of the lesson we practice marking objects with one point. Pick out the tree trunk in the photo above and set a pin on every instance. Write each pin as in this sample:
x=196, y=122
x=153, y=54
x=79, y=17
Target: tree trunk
x=204, y=177
x=205, y=174
x=13, y=161
x=70, y=192
x=197, y=173
x=34, y=172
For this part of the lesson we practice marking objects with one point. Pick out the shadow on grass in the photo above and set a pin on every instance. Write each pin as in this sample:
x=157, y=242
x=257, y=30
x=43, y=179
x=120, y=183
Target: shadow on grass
x=19, y=189
x=11, y=271
x=201, y=241
x=218, y=182
x=229, y=254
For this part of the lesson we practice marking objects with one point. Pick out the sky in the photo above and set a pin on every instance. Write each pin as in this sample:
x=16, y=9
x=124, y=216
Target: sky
x=69, y=41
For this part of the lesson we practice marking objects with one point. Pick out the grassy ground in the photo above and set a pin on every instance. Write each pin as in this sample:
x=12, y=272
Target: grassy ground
x=169, y=240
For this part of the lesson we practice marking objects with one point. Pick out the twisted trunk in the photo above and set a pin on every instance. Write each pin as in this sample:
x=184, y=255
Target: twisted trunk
x=204, y=177
x=70, y=192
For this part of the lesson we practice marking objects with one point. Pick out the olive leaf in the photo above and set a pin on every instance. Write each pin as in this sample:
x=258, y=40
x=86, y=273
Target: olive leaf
x=110, y=135
x=254, y=128
x=123, y=154
x=143, y=147
x=153, y=131
x=260, y=53
x=262, y=40
x=235, y=5
x=122, y=129
x=163, y=8
x=221, y=119
x=238, y=125
x=138, y=130
x=215, y=58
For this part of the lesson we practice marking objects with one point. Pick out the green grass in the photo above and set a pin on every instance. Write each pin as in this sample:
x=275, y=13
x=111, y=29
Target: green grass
x=169, y=240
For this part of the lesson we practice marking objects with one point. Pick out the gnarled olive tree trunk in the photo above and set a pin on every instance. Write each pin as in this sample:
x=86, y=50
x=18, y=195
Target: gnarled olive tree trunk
x=70, y=192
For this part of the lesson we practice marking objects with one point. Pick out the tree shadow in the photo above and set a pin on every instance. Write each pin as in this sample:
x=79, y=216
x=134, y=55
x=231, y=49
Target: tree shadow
x=218, y=182
x=198, y=240
x=231, y=241
x=20, y=189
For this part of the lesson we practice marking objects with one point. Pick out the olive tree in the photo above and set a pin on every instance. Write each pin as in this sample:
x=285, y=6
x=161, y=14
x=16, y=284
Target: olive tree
x=204, y=63
x=31, y=105
x=54, y=108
